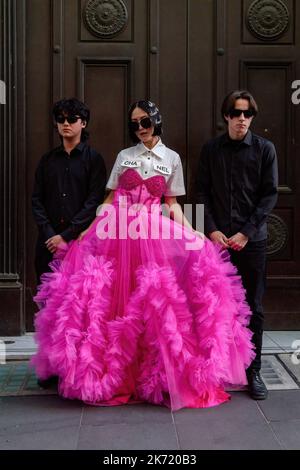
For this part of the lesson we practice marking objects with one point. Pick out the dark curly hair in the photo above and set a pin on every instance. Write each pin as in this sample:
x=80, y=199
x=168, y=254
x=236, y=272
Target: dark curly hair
x=72, y=106
x=153, y=112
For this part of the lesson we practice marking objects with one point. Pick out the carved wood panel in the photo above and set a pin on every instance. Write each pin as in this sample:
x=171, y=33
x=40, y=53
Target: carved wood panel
x=106, y=84
x=185, y=55
x=103, y=20
x=268, y=21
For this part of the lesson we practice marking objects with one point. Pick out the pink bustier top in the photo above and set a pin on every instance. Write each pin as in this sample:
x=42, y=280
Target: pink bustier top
x=138, y=190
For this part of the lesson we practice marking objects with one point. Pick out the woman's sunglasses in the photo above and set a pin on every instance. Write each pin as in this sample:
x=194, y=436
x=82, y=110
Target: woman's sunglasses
x=146, y=123
x=237, y=113
x=71, y=119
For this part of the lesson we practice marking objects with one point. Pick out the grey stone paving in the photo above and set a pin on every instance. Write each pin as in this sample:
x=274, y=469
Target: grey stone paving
x=50, y=422
x=292, y=363
x=45, y=421
x=275, y=375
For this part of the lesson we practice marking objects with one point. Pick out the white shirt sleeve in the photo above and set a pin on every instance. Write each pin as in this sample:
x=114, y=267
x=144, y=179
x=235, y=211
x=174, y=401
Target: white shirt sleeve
x=115, y=174
x=175, y=184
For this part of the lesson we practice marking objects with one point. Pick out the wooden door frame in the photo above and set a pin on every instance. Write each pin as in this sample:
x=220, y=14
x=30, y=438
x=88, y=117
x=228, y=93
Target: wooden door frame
x=13, y=148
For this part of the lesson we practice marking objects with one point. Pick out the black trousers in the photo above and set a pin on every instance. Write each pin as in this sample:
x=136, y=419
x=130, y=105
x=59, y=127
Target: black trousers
x=42, y=259
x=251, y=265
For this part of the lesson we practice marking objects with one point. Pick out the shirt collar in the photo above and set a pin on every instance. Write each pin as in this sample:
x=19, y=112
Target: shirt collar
x=159, y=149
x=78, y=147
x=246, y=140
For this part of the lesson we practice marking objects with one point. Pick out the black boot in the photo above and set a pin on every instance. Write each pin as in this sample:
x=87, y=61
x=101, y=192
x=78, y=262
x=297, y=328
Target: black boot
x=256, y=386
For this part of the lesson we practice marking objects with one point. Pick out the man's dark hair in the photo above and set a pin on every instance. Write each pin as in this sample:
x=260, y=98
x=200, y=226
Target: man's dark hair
x=72, y=106
x=230, y=99
x=152, y=111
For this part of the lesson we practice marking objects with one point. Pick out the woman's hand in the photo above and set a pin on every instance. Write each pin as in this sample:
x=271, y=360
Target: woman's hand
x=82, y=234
x=199, y=234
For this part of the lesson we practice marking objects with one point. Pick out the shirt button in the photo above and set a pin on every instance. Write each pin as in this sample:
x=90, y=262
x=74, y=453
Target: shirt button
x=146, y=172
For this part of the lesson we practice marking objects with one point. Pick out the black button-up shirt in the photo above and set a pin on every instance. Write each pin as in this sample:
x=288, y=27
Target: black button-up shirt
x=237, y=183
x=67, y=191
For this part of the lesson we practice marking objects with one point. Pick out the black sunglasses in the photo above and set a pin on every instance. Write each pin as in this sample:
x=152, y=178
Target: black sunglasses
x=71, y=119
x=146, y=123
x=237, y=113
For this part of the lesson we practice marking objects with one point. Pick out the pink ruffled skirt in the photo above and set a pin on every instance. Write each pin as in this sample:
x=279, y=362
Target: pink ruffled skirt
x=143, y=319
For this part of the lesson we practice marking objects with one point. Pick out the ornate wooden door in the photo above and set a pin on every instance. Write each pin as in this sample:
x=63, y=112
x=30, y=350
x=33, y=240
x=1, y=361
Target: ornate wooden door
x=183, y=54
x=259, y=49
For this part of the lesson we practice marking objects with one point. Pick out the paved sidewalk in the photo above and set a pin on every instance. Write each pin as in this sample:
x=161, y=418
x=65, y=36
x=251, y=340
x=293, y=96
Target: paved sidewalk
x=50, y=422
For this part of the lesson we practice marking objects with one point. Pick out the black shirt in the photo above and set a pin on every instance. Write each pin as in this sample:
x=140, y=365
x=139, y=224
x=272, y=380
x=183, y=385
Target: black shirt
x=237, y=183
x=67, y=191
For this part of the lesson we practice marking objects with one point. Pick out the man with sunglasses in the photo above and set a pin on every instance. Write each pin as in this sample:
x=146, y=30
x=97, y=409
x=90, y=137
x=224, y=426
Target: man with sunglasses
x=69, y=183
x=237, y=181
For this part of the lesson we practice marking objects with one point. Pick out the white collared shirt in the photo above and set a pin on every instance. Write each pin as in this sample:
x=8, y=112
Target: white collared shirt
x=160, y=160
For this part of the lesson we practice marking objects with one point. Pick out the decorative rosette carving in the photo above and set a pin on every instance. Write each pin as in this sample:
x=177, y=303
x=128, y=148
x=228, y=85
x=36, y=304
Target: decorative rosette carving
x=105, y=18
x=268, y=19
x=277, y=234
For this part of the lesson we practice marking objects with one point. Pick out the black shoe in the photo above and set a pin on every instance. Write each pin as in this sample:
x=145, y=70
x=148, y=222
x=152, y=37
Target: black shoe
x=48, y=383
x=256, y=387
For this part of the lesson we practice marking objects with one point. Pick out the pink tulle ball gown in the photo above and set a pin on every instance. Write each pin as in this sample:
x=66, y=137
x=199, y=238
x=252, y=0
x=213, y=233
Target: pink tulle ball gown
x=142, y=309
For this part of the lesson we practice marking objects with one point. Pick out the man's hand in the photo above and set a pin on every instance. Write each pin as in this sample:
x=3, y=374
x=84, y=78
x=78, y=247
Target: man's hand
x=220, y=238
x=238, y=241
x=53, y=242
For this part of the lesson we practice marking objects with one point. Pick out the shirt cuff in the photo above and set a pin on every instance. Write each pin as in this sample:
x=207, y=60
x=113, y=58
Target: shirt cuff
x=69, y=234
x=47, y=231
x=209, y=226
x=249, y=230
x=175, y=193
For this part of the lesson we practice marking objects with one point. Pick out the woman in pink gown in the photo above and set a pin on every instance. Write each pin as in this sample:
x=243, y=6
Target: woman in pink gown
x=141, y=307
